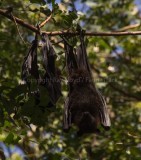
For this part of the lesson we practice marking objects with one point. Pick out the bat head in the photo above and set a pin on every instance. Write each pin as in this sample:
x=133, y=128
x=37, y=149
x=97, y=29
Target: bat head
x=86, y=123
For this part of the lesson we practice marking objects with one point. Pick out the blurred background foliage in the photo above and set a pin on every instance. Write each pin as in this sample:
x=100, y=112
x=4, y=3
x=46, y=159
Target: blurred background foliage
x=29, y=132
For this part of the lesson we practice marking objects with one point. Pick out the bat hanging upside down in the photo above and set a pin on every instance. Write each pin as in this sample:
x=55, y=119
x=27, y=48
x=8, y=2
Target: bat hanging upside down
x=84, y=106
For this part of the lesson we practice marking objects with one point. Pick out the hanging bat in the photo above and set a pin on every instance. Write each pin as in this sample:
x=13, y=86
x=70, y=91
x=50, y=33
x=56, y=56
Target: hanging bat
x=30, y=67
x=84, y=106
x=51, y=79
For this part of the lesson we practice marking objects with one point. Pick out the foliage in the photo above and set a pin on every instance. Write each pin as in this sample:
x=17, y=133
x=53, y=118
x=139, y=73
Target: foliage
x=116, y=64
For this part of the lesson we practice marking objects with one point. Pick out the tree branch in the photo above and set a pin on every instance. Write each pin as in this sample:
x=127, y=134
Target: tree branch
x=46, y=20
x=123, y=92
x=118, y=88
x=128, y=27
x=18, y=20
x=67, y=32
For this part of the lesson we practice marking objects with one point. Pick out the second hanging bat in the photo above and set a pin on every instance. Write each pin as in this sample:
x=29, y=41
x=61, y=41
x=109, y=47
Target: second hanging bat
x=51, y=79
x=85, y=106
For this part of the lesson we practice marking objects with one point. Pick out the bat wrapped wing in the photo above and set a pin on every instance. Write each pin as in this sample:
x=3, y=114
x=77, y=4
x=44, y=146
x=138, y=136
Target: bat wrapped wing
x=30, y=67
x=51, y=78
x=84, y=106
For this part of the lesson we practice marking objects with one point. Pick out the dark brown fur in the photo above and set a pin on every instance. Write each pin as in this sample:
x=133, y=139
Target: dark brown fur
x=84, y=106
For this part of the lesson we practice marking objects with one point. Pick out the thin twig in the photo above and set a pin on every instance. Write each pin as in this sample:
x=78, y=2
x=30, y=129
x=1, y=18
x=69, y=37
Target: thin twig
x=45, y=21
x=125, y=93
x=18, y=29
x=93, y=33
x=128, y=27
x=67, y=32
x=119, y=88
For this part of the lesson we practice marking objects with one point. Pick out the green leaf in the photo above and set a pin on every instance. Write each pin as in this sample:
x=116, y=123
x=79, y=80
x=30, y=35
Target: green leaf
x=53, y=3
x=18, y=90
x=73, y=15
x=10, y=138
x=1, y=117
x=34, y=7
x=56, y=9
x=17, y=139
x=33, y=1
x=45, y=10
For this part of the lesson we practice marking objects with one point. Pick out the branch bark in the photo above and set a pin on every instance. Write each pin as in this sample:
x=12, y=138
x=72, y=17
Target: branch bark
x=67, y=32
x=18, y=20
x=46, y=20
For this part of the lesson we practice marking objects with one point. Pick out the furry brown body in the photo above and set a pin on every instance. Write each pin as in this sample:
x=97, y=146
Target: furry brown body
x=85, y=107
